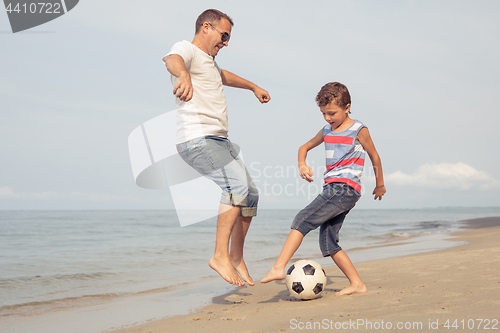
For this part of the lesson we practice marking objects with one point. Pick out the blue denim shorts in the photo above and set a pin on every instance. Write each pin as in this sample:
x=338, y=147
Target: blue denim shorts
x=328, y=212
x=218, y=160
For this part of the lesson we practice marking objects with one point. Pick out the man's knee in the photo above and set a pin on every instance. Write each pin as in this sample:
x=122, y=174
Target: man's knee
x=234, y=199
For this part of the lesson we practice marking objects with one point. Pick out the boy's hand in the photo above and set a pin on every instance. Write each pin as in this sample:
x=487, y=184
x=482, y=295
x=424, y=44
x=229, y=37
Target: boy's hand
x=378, y=192
x=306, y=173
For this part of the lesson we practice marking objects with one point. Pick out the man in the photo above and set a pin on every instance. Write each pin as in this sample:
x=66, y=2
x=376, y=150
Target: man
x=201, y=136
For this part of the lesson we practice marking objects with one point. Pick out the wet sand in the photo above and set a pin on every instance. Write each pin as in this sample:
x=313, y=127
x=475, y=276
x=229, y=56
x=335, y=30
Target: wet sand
x=457, y=287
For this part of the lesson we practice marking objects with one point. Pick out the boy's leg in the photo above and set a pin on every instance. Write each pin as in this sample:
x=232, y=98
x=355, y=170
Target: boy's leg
x=323, y=208
x=220, y=261
x=238, y=235
x=292, y=243
x=344, y=263
x=329, y=239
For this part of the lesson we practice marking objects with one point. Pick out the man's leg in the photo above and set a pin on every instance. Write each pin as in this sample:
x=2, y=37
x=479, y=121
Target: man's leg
x=242, y=185
x=220, y=261
x=238, y=235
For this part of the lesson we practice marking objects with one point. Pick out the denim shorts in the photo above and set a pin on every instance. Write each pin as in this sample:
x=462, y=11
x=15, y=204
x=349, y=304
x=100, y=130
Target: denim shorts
x=218, y=160
x=328, y=212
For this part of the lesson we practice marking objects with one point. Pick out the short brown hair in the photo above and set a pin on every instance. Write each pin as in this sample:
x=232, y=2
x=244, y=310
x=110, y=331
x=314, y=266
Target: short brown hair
x=334, y=92
x=210, y=16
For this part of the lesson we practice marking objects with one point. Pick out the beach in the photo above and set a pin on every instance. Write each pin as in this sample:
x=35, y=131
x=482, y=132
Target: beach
x=131, y=271
x=455, y=289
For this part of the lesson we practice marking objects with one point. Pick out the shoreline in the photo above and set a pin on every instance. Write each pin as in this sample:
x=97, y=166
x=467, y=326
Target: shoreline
x=137, y=311
x=457, y=283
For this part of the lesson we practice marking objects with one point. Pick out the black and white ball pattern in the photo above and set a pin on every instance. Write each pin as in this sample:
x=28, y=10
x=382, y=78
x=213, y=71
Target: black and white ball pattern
x=305, y=279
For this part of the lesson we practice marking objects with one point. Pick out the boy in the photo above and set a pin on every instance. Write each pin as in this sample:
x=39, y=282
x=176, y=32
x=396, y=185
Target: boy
x=346, y=141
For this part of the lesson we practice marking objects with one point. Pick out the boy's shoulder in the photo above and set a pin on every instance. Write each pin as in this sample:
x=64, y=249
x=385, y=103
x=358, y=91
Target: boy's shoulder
x=356, y=126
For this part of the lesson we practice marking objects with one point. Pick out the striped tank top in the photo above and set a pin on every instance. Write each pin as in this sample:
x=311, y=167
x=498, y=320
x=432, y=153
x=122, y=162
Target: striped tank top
x=345, y=157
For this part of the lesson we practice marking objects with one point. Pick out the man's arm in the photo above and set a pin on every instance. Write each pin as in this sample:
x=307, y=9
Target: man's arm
x=232, y=80
x=184, y=87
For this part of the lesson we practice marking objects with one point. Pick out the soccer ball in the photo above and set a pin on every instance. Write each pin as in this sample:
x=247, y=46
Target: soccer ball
x=305, y=279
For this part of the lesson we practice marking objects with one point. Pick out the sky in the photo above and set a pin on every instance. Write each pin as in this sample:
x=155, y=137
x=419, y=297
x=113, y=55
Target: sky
x=423, y=75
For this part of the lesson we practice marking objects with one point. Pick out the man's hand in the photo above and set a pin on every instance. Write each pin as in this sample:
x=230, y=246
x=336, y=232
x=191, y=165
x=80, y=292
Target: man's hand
x=184, y=87
x=262, y=95
x=232, y=80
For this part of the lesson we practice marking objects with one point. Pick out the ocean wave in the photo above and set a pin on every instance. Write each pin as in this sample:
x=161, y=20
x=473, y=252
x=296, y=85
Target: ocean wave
x=31, y=308
x=394, y=237
x=437, y=224
x=402, y=234
x=22, y=282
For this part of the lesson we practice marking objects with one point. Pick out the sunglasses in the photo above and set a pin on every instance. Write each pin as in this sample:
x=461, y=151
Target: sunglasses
x=224, y=36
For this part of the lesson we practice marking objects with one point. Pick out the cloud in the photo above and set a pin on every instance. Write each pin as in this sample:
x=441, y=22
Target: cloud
x=445, y=176
x=7, y=192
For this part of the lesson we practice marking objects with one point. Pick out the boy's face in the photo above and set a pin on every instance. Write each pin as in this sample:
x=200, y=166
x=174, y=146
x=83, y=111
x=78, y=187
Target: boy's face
x=334, y=114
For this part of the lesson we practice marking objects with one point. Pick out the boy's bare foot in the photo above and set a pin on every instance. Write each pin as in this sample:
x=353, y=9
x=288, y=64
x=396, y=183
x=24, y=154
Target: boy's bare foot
x=353, y=289
x=226, y=271
x=241, y=268
x=273, y=274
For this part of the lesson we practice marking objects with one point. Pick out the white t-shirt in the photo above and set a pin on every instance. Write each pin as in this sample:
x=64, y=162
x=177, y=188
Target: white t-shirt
x=206, y=113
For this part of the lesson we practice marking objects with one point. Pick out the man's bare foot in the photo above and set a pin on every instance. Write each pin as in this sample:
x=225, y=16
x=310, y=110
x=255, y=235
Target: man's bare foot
x=226, y=271
x=241, y=268
x=353, y=289
x=273, y=274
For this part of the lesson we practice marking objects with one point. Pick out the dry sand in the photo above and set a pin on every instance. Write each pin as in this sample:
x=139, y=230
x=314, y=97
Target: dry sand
x=418, y=293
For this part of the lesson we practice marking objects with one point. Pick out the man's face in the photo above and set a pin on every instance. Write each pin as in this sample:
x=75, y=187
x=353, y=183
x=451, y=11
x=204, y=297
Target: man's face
x=215, y=43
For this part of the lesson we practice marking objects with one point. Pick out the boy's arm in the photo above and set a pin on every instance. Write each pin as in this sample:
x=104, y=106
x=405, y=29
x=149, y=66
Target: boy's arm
x=232, y=80
x=367, y=143
x=305, y=171
x=184, y=87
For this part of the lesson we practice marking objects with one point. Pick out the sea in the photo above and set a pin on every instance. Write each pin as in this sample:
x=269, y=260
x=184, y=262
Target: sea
x=94, y=271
